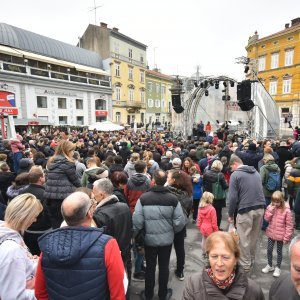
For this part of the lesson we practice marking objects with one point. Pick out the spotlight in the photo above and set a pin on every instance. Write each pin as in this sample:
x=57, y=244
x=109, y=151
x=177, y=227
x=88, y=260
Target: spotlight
x=229, y=122
x=206, y=92
x=205, y=83
x=246, y=69
x=223, y=98
x=211, y=82
x=240, y=122
x=195, y=83
x=201, y=85
x=225, y=83
x=232, y=83
x=216, y=84
x=217, y=121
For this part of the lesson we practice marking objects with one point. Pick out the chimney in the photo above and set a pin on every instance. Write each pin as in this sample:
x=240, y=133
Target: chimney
x=287, y=25
x=103, y=25
x=295, y=21
x=115, y=29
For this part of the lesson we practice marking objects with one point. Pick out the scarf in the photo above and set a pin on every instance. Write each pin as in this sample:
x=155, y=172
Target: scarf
x=221, y=284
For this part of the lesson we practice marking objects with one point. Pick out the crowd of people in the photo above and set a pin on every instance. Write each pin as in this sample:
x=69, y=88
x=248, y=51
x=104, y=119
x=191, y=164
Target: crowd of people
x=85, y=213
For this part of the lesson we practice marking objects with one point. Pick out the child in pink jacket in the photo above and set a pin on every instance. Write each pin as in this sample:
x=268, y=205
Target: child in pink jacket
x=207, y=217
x=280, y=229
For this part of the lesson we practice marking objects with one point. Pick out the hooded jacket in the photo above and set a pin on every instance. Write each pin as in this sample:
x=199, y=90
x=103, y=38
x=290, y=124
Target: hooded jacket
x=245, y=190
x=207, y=220
x=91, y=172
x=137, y=185
x=16, y=266
x=249, y=157
x=129, y=168
x=61, y=179
x=270, y=166
x=79, y=263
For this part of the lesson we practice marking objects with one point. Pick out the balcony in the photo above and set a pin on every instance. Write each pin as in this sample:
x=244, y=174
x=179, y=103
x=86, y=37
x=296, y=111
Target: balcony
x=136, y=104
x=117, y=103
x=128, y=59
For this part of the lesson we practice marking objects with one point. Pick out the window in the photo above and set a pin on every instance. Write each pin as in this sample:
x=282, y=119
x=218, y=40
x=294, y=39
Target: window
x=157, y=88
x=142, y=76
x=261, y=63
x=285, y=110
x=80, y=120
x=130, y=72
x=286, y=87
x=273, y=88
x=118, y=93
x=163, y=90
x=63, y=120
x=118, y=117
x=131, y=94
x=163, y=103
x=142, y=96
x=62, y=103
x=100, y=104
x=41, y=101
x=150, y=87
x=289, y=55
x=157, y=103
x=130, y=53
x=117, y=70
x=142, y=58
x=274, y=60
x=117, y=49
x=79, y=104
x=150, y=103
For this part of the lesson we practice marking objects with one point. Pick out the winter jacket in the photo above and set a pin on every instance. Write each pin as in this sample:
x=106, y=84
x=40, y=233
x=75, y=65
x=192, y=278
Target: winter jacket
x=185, y=200
x=283, y=288
x=245, y=191
x=287, y=171
x=210, y=177
x=284, y=154
x=61, y=179
x=293, y=180
x=120, y=195
x=207, y=220
x=137, y=185
x=14, y=191
x=87, y=174
x=129, y=168
x=159, y=213
x=124, y=152
x=115, y=219
x=280, y=226
x=16, y=146
x=80, y=168
x=200, y=287
x=197, y=187
x=16, y=264
x=249, y=157
x=264, y=171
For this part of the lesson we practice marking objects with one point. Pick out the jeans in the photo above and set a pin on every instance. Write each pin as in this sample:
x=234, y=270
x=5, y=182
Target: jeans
x=179, y=249
x=163, y=255
x=138, y=260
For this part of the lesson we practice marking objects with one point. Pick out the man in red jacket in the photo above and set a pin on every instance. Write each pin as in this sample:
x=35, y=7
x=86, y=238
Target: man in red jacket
x=73, y=256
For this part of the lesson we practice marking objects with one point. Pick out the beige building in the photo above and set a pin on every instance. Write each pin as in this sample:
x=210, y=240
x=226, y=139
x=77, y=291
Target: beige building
x=125, y=59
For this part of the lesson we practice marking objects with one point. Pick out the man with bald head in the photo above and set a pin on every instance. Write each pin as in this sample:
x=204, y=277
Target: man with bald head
x=287, y=286
x=78, y=261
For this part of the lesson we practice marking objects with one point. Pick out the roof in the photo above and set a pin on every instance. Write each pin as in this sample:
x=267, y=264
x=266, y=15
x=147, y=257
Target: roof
x=158, y=74
x=32, y=42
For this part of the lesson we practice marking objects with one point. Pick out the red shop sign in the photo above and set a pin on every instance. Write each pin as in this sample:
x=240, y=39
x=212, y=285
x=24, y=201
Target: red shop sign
x=101, y=113
x=9, y=111
x=34, y=123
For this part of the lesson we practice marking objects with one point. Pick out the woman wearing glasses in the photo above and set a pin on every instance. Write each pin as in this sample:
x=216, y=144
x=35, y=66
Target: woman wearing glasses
x=223, y=278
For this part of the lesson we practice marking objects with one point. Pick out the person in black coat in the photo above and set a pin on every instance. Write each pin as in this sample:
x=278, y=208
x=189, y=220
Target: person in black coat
x=284, y=154
x=61, y=180
x=124, y=152
x=209, y=178
x=119, y=180
x=6, y=179
x=42, y=224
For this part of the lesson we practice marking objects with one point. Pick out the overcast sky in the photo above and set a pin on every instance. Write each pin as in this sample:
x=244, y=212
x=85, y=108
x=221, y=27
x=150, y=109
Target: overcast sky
x=183, y=34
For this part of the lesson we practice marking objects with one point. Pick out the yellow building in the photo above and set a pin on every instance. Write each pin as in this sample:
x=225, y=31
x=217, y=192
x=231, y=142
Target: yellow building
x=125, y=58
x=275, y=59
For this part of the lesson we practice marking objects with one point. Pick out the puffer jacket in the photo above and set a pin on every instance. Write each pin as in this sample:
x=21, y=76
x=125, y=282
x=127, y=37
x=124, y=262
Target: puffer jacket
x=210, y=177
x=200, y=286
x=293, y=180
x=129, y=169
x=280, y=223
x=207, y=220
x=270, y=166
x=159, y=214
x=61, y=179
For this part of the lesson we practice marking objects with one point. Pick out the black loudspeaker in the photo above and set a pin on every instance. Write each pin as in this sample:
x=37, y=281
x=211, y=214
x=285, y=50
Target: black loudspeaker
x=246, y=105
x=176, y=100
x=244, y=90
x=178, y=109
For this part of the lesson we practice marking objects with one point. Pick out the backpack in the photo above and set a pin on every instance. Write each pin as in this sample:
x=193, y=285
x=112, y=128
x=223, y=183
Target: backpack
x=273, y=181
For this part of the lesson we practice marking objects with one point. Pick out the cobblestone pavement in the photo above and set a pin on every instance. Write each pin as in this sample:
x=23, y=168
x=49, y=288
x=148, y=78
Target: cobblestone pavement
x=194, y=264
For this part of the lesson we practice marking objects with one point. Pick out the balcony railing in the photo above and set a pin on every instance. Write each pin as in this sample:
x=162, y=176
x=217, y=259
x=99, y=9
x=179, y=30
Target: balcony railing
x=130, y=104
x=128, y=59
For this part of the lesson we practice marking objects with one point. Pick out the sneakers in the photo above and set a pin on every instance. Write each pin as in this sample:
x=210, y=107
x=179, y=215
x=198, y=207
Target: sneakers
x=179, y=275
x=277, y=272
x=140, y=276
x=267, y=269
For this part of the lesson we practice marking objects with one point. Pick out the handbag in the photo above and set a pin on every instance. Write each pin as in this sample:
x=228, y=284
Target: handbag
x=217, y=190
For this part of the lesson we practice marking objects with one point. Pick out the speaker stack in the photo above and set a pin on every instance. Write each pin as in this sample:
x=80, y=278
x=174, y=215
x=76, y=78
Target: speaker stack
x=176, y=103
x=244, y=95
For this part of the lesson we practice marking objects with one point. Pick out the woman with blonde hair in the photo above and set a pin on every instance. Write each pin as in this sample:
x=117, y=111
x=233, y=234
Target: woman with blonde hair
x=223, y=278
x=129, y=168
x=17, y=265
x=61, y=180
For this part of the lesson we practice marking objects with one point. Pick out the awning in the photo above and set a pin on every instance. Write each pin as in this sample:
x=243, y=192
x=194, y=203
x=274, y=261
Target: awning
x=33, y=122
x=90, y=70
x=10, y=51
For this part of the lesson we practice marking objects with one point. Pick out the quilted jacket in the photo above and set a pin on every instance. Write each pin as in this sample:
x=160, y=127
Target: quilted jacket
x=280, y=223
x=207, y=220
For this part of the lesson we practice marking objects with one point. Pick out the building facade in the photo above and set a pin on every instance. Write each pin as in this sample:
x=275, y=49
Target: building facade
x=275, y=60
x=50, y=80
x=158, y=97
x=125, y=59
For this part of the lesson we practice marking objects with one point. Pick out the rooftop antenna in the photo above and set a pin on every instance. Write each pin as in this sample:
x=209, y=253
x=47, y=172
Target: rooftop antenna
x=95, y=10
